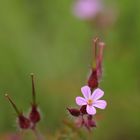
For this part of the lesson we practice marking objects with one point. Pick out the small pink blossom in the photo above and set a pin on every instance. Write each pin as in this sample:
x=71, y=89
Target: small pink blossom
x=91, y=100
x=87, y=9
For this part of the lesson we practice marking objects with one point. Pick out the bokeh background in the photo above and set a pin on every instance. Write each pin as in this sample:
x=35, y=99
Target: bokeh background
x=44, y=37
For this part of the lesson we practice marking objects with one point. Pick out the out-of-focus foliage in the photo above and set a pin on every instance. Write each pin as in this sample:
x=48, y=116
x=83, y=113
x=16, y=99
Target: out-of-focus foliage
x=44, y=37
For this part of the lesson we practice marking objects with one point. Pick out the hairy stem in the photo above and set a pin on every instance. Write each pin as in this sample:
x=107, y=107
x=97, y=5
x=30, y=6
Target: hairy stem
x=90, y=135
x=38, y=134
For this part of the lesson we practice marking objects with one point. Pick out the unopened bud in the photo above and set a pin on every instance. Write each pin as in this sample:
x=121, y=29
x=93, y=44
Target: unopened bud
x=90, y=121
x=74, y=112
x=83, y=109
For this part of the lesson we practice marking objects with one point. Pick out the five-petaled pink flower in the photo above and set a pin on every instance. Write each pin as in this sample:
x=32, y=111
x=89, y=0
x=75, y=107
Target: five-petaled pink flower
x=91, y=100
x=87, y=9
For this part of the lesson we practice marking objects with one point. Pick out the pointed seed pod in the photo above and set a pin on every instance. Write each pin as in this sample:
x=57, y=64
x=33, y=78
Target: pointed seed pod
x=24, y=123
x=74, y=112
x=34, y=113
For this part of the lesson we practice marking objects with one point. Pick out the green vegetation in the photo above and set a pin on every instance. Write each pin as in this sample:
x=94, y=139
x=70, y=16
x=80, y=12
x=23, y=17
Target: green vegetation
x=44, y=37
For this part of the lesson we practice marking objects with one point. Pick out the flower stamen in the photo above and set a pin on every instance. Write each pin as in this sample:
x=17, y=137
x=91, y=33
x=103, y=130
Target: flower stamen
x=90, y=102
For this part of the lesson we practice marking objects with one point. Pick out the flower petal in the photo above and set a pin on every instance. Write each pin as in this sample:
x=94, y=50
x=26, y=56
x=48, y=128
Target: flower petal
x=91, y=110
x=80, y=101
x=100, y=104
x=86, y=92
x=97, y=94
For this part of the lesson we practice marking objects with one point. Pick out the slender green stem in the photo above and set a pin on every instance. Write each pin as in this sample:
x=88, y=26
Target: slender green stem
x=90, y=135
x=33, y=89
x=38, y=134
x=12, y=103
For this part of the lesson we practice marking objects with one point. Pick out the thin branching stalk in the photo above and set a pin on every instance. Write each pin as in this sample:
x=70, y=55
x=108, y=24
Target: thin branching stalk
x=38, y=135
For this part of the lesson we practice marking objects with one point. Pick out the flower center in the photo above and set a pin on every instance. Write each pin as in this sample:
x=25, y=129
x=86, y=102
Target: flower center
x=90, y=102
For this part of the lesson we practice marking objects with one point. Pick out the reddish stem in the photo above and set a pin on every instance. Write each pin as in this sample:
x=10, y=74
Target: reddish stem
x=33, y=89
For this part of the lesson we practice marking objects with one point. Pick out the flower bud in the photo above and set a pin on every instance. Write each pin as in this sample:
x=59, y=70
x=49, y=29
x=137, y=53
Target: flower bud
x=83, y=109
x=90, y=121
x=74, y=112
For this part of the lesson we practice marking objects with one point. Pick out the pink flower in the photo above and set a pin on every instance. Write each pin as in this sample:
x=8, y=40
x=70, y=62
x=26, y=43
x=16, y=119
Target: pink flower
x=87, y=9
x=91, y=100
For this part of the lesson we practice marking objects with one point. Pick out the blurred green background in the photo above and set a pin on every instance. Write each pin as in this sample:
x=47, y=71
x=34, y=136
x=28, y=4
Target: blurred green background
x=43, y=37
